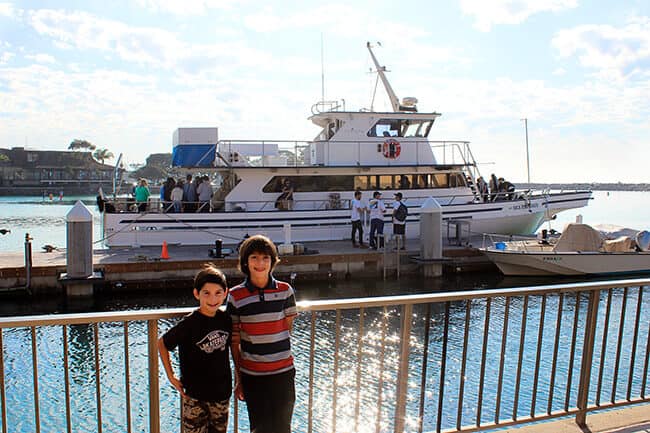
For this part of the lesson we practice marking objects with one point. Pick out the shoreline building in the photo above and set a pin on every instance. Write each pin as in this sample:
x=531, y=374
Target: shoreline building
x=28, y=172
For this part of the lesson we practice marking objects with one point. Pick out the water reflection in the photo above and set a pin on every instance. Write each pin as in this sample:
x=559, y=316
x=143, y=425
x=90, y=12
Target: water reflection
x=355, y=362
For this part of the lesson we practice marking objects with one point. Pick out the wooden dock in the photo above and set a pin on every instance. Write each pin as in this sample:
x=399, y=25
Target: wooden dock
x=142, y=267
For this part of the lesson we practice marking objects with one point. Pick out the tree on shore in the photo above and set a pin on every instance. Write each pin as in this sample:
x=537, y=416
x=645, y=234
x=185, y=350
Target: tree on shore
x=102, y=154
x=77, y=144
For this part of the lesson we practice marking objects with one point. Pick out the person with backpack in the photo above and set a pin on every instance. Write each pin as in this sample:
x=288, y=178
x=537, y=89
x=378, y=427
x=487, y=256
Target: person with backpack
x=400, y=212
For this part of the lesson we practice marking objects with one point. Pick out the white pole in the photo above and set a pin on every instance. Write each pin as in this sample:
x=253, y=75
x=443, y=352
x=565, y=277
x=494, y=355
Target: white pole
x=527, y=154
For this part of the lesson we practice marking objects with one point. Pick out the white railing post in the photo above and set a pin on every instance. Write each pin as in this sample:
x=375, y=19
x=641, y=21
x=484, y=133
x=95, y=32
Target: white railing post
x=154, y=395
x=403, y=368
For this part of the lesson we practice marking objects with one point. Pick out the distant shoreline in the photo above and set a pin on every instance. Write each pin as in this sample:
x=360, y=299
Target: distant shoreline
x=594, y=186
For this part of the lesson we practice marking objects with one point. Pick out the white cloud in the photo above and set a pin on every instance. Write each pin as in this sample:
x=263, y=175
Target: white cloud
x=337, y=18
x=5, y=57
x=186, y=7
x=140, y=45
x=41, y=58
x=88, y=32
x=492, y=12
x=7, y=10
x=618, y=52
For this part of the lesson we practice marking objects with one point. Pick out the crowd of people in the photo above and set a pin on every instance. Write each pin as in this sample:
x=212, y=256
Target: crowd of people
x=496, y=190
x=377, y=209
x=182, y=195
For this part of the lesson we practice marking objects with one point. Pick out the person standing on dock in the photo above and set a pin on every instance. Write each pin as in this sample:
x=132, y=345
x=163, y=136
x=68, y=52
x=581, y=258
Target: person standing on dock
x=400, y=212
x=377, y=210
x=203, y=338
x=262, y=310
x=358, y=210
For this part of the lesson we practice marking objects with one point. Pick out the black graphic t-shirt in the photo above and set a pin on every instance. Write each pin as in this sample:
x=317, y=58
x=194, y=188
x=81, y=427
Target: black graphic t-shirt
x=203, y=347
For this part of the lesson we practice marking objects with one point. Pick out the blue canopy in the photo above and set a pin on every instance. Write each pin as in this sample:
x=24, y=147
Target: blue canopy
x=193, y=155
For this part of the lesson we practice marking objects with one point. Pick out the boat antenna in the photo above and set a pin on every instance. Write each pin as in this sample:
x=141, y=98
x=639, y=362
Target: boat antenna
x=394, y=102
x=322, y=69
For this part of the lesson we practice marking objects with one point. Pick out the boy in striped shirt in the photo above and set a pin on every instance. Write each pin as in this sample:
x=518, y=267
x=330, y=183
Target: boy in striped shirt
x=262, y=310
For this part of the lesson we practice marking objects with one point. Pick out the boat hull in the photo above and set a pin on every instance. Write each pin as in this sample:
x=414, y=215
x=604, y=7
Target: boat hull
x=523, y=263
x=148, y=229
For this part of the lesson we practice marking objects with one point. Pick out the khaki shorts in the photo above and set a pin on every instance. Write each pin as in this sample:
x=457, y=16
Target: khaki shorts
x=204, y=417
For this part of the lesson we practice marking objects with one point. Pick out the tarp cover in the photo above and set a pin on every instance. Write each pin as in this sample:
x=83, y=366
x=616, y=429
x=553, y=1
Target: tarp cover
x=193, y=155
x=620, y=244
x=579, y=237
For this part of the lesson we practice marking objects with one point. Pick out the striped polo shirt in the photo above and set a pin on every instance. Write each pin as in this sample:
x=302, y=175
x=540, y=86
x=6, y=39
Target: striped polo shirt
x=258, y=315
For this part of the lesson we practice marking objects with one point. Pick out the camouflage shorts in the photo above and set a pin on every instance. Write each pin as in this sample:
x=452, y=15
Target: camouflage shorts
x=205, y=417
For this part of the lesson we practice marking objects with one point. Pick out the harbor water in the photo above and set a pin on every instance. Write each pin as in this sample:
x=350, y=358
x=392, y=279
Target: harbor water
x=379, y=366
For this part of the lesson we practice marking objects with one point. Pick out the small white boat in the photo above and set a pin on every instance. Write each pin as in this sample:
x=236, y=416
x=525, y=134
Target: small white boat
x=580, y=250
x=361, y=150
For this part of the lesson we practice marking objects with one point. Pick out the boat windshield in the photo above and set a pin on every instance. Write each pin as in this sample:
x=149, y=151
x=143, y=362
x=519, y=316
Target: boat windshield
x=401, y=128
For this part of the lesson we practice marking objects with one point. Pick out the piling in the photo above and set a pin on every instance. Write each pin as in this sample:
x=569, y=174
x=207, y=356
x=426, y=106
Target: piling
x=28, y=261
x=79, y=276
x=431, y=238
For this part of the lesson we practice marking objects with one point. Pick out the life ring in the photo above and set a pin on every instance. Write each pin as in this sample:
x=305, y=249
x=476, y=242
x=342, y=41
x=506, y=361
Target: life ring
x=391, y=148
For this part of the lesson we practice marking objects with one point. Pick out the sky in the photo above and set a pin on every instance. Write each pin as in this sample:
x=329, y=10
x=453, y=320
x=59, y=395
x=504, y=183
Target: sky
x=125, y=74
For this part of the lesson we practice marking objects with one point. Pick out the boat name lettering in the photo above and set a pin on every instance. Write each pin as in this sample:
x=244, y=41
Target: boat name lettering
x=552, y=259
x=525, y=206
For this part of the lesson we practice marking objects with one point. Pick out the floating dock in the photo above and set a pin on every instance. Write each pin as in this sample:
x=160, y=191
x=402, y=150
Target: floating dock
x=143, y=267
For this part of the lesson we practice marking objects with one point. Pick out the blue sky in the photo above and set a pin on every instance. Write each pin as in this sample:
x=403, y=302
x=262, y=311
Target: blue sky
x=124, y=74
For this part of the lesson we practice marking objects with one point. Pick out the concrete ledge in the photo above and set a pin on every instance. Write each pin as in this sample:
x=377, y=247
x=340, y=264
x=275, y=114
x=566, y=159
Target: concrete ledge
x=635, y=419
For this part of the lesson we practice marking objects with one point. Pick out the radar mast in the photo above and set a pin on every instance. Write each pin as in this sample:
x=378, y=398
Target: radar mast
x=408, y=103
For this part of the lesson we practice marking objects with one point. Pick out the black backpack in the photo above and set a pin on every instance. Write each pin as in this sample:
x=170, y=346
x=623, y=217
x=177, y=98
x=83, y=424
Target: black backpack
x=401, y=212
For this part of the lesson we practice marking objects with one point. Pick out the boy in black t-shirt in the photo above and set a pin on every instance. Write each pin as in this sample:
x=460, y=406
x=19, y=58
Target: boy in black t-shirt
x=203, y=338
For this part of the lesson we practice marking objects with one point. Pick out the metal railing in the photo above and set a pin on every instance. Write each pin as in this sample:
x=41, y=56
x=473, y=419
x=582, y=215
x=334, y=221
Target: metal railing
x=295, y=153
x=463, y=361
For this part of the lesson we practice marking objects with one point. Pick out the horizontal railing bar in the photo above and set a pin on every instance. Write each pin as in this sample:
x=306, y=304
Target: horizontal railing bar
x=618, y=403
x=322, y=305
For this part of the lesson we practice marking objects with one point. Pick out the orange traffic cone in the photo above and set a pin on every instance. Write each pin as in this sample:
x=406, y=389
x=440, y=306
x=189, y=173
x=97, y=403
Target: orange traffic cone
x=164, y=254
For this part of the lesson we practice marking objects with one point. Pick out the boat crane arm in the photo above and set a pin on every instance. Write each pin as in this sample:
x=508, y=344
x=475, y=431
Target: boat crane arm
x=380, y=70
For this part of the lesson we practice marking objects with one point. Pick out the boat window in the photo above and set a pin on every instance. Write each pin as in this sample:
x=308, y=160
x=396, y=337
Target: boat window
x=457, y=180
x=363, y=182
x=385, y=128
x=385, y=182
x=400, y=128
x=440, y=180
x=311, y=183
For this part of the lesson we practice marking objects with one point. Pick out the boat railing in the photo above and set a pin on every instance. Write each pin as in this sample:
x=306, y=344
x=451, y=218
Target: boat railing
x=517, y=242
x=453, y=361
x=328, y=106
x=126, y=204
x=287, y=153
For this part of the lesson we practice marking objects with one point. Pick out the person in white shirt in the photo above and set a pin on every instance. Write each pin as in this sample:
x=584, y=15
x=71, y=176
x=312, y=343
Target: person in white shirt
x=177, y=196
x=357, y=209
x=377, y=210
x=204, y=191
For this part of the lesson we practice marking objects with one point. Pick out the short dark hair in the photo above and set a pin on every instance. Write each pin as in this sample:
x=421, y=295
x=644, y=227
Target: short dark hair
x=209, y=274
x=257, y=244
x=357, y=192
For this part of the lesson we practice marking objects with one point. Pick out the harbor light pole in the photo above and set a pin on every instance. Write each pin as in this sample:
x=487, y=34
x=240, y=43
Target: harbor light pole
x=527, y=154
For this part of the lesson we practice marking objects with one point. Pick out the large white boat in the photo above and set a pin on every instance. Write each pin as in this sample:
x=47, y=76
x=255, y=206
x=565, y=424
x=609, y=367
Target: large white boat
x=355, y=150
